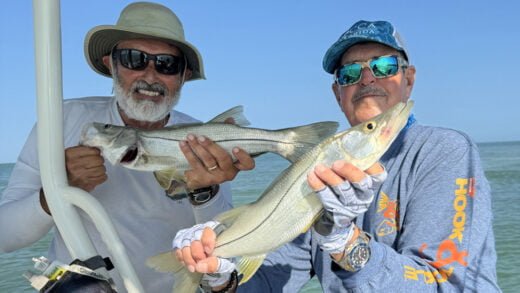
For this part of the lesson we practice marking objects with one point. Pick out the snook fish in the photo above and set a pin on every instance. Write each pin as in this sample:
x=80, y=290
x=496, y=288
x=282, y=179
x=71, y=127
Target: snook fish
x=159, y=151
x=288, y=206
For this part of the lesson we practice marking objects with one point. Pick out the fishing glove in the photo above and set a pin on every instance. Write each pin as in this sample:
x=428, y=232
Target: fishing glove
x=225, y=266
x=342, y=204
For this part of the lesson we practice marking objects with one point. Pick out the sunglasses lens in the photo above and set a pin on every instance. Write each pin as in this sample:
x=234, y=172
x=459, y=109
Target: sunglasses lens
x=384, y=66
x=168, y=64
x=138, y=60
x=132, y=59
x=349, y=74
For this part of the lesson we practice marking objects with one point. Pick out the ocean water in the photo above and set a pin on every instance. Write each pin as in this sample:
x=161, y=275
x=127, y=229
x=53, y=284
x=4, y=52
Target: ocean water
x=501, y=162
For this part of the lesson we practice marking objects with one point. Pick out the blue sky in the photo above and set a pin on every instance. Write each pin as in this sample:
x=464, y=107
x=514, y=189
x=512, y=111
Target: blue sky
x=266, y=55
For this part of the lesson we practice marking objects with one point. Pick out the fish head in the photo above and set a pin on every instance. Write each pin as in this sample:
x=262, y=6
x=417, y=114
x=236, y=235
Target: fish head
x=366, y=142
x=118, y=144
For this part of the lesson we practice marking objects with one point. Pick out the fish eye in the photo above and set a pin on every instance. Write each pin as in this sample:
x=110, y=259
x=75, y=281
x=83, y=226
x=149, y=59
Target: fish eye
x=371, y=125
x=107, y=126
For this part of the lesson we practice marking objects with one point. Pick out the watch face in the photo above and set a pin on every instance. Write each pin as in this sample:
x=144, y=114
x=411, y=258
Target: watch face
x=202, y=197
x=359, y=256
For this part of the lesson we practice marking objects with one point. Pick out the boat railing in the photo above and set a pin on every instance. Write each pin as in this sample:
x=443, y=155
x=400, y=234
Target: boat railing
x=63, y=199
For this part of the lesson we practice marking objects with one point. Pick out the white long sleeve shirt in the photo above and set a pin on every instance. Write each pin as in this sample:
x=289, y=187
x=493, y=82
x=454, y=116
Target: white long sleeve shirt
x=145, y=218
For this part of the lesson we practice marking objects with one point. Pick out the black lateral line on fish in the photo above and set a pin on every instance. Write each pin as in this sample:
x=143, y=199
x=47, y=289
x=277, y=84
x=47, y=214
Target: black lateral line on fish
x=225, y=140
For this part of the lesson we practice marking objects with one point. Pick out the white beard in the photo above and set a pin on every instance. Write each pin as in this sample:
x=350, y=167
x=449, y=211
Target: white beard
x=144, y=110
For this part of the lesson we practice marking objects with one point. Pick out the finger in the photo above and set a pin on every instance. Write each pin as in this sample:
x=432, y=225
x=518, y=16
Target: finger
x=197, y=251
x=191, y=157
x=178, y=255
x=348, y=171
x=94, y=162
x=208, y=265
x=81, y=151
x=79, y=173
x=314, y=182
x=95, y=172
x=189, y=262
x=244, y=160
x=216, y=152
x=208, y=240
x=98, y=179
x=327, y=175
x=202, y=146
x=375, y=169
x=84, y=162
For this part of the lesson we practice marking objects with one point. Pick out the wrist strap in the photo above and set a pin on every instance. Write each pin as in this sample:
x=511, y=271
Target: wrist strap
x=357, y=252
x=232, y=283
x=203, y=195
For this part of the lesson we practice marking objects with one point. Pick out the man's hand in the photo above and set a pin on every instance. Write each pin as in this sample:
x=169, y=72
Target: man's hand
x=85, y=170
x=194, y=248
x=346, y=192
x=210, y=163
x=85, y=167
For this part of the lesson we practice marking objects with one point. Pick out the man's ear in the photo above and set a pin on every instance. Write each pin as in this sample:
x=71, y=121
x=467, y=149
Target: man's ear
x=335, y=90
x=107, y=61
x=410, y=80
x=188, y=74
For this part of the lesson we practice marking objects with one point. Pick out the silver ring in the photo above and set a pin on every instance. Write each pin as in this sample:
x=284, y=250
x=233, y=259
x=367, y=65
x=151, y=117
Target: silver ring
x=212, y=168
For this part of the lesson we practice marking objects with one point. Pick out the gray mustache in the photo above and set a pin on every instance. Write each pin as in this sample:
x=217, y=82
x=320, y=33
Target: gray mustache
x=369, y=90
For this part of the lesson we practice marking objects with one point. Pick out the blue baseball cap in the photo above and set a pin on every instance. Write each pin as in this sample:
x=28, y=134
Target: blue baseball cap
x=363, y=31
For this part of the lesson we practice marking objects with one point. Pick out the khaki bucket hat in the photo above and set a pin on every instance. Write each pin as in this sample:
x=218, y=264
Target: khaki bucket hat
x=141, y=20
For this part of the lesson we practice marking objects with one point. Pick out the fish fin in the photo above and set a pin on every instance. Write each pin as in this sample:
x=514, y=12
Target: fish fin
x=228, y=217
x=171, y=181
x=248, y=265
x=306, y=137
x=184, y=280
x=237, y=113
x=164, y=177
x=164, y=262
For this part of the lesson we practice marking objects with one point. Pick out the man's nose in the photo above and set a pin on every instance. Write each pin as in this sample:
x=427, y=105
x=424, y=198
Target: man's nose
x=149, y=72
x=367, y=77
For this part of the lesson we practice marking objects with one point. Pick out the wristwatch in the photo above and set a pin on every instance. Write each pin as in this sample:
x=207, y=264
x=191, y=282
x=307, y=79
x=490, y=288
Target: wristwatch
x=357, y=253
x=203, y=195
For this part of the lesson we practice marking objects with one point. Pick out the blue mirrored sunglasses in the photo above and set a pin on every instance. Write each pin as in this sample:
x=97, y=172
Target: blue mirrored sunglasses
x=381, y=67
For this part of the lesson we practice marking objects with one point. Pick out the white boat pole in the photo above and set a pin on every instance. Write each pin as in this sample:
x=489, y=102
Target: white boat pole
x=47, y=42
x=62, y=198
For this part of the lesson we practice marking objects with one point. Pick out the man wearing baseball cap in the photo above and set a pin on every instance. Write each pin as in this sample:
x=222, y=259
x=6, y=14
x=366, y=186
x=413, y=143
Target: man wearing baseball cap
x=149, y=59
x=427, y=223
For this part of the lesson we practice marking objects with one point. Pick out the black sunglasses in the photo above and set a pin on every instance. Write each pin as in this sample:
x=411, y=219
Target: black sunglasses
x=138, y=60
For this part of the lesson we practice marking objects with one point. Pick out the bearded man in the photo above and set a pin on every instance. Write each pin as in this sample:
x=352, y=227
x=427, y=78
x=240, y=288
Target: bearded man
x=149, y=60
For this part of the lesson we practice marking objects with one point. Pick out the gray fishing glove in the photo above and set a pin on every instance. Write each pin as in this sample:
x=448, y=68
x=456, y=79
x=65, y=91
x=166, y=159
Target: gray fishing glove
x=342, y=204
x=225, y=266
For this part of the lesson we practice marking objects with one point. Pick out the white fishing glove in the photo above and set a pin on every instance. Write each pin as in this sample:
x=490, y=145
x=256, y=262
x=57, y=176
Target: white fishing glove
x=225, y=266
x=342, y=204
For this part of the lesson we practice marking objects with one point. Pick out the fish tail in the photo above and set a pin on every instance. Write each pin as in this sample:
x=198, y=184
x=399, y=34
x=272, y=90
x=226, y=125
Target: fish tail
x=184, y=280
x=305, y=137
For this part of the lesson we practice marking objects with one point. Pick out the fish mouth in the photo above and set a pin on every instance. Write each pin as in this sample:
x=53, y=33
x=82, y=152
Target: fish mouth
x=130, y=155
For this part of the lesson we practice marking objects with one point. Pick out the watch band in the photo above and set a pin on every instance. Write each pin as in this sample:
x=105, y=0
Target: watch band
x=357, y=253
x=203, y=195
